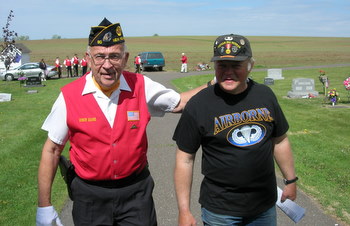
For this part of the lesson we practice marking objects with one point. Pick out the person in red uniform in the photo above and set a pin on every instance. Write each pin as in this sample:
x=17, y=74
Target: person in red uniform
x=183, y=63
x=104, y=115
x=138, y=64
x=68, y=65
x=84, y=65
x=75, y=61
x=58, y=66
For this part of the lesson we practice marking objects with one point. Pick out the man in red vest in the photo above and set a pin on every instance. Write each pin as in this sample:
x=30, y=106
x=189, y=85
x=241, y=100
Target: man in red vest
x=104, y=115
x=68, y=65
x=75, y=61
x=183, y=63
x=58, y=66
x=83, y=64
x=138, y=64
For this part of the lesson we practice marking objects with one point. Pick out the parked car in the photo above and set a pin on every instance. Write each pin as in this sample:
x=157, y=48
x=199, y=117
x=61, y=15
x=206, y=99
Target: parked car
x=27, y=70
x=152, y=60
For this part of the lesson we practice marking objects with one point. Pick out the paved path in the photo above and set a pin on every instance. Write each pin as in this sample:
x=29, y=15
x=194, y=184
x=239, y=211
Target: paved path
x=161, y=155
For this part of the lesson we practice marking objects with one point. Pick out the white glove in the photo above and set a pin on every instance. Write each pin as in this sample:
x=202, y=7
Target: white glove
x=47, y=216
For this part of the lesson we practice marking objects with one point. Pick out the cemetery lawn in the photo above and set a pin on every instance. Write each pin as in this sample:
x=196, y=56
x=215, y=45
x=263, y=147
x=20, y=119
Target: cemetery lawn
x=319, y=135
x=21, y=141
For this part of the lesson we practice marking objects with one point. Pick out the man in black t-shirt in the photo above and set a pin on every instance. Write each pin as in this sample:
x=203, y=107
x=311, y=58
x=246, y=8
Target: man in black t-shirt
x=241, y=129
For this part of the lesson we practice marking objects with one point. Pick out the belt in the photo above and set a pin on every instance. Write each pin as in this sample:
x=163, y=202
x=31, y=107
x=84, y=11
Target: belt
x=127, y=181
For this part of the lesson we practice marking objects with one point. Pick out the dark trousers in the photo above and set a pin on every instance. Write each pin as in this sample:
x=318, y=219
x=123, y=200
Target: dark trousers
x=59, y=72
x=129, y=205
x=75, y=70
x=69, y=71
x=84, y=70
x=138, y=68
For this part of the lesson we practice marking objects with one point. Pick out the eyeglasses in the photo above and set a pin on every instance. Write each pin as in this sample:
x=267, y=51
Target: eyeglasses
x=100, y=59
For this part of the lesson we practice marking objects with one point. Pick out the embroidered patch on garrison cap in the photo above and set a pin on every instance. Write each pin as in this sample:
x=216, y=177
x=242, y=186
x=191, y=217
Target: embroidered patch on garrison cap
x=106, y=34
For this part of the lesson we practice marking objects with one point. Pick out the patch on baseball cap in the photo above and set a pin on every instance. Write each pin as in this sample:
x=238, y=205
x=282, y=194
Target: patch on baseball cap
x=231, y=47
x=106, y=34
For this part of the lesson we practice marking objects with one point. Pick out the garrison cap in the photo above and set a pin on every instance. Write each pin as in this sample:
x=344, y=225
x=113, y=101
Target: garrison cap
x=231, y=47
x=106, y=34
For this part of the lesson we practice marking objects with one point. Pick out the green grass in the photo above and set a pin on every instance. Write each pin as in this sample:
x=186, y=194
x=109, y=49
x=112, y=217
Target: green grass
x=21, y=141
x=319, y=134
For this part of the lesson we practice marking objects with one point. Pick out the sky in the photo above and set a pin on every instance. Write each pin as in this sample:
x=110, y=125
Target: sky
x=42, y=19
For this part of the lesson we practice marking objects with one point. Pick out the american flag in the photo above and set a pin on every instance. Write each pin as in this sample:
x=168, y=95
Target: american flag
x=133, y=115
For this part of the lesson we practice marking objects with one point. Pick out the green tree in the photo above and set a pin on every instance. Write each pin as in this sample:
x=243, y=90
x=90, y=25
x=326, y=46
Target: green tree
x=56, y=37
x=23, y=37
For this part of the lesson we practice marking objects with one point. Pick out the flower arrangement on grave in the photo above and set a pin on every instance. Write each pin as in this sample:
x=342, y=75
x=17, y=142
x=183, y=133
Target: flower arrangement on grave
x=333, y=96
x=22, y=78
x=347, y=86
x=347, y=83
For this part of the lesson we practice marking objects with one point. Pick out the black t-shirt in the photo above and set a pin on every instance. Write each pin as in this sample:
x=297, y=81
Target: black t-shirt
x=235, y=133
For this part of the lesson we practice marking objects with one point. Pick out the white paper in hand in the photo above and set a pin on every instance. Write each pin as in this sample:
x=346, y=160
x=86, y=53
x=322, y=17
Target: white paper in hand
x=290, y=208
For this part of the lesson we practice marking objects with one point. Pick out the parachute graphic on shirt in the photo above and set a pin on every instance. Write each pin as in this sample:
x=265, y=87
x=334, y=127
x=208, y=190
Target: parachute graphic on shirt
x=246, y=135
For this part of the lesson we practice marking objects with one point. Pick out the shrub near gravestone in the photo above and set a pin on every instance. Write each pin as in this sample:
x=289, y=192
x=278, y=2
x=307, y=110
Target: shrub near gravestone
x=324, y=80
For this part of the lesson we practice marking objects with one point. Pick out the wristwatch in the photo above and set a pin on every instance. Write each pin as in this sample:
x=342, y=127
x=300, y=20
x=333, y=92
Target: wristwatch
x=285, y=181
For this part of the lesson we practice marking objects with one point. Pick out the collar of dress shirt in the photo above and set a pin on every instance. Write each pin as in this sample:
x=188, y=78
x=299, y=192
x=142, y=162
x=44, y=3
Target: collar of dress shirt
x=91, y=88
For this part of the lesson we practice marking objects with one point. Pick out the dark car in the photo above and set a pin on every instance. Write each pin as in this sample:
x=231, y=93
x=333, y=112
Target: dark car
x=27, y=70
x=152, y=60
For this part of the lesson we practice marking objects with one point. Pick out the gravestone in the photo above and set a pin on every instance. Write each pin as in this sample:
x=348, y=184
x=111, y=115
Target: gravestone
x=303, y=88
x=4, y=97
x=32, y=91
x=269, y=81
x=275, y=73
x=33, y=81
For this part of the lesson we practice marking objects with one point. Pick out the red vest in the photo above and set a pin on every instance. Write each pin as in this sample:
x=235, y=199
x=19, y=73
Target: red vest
x=98, y=151
x=83, y=62
x=57, y=63
x=75, y=60
x=67, y=62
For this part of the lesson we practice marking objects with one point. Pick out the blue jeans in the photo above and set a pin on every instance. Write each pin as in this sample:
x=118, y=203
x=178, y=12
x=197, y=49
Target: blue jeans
x=267, y=218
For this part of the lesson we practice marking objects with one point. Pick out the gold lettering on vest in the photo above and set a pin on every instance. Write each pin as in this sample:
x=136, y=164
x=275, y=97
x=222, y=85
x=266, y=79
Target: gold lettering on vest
x=87, y=119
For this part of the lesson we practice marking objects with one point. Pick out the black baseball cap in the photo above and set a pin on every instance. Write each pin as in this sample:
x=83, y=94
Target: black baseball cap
x=232, y=47
x=106, y=34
